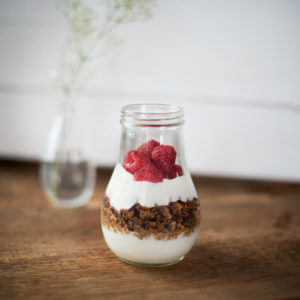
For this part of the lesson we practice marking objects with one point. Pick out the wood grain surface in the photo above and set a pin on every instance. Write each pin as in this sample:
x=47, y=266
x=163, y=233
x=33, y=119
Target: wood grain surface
x=248, y=246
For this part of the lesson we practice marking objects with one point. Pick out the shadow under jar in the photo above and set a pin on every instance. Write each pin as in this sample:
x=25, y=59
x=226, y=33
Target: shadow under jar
x=150, y=214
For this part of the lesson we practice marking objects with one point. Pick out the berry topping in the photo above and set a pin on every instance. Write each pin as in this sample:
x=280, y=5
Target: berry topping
x=173, y=172
x=148, y=173
x=135, y=160
x=148, y=147
x=178, y=170
x=152, y=162
x=163, y=156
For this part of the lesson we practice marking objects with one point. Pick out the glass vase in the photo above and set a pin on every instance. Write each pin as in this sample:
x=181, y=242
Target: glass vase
x=66, y=172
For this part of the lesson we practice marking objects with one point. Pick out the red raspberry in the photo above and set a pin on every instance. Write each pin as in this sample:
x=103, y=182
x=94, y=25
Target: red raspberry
x=173, y=172
x=148, y=173
x=148, y=147
x=135, y=160
x=163, y=157
x=179, y=170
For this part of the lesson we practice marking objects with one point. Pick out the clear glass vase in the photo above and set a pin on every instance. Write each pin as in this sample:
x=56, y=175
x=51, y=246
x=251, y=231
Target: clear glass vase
x=150, y=214
x=66, y=172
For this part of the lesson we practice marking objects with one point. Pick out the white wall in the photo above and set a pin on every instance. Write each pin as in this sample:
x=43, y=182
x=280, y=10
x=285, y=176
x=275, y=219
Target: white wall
x=233, y=66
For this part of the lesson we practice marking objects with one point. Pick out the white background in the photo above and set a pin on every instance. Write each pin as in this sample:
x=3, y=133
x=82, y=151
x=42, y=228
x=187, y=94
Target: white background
x=233, y=65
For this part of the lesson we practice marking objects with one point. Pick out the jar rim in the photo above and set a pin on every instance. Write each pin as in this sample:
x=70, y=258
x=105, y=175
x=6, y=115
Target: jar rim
x=152, y=114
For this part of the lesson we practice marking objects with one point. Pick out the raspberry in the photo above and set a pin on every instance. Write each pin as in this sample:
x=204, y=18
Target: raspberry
x=173, y=172
x=148, y=173
x=178, y=170
x=135, y=160
x=148, y=147
x=163, y=157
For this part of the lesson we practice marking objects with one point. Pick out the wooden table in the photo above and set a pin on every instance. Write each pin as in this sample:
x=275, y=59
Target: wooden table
x=248, y=246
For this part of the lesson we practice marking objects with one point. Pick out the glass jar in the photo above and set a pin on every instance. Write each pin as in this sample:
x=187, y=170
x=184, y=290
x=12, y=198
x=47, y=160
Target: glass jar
x=150, y=214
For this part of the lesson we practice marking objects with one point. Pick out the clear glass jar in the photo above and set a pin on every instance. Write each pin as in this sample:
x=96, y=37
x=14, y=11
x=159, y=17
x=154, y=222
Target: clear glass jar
x=150, y=214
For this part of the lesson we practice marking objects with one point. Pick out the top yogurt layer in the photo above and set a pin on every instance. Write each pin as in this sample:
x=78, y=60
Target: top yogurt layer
x=123, y=191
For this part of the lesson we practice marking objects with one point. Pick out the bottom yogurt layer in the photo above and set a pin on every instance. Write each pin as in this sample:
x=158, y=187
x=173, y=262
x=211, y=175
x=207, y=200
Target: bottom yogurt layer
x=148, y=250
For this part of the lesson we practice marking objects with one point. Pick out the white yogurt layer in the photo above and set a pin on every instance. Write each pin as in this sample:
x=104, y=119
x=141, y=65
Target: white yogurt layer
x=123, y=191
x=148, y=250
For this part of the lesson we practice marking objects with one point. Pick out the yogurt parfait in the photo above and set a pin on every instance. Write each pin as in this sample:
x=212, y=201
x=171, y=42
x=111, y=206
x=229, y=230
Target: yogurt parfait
x=150, y=214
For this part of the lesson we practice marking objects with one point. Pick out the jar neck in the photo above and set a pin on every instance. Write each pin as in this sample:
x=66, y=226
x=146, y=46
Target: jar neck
x=151, y=115
x=152, y=123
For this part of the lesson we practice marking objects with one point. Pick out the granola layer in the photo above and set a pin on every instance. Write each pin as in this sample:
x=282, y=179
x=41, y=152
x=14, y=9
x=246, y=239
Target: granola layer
x=161, y=222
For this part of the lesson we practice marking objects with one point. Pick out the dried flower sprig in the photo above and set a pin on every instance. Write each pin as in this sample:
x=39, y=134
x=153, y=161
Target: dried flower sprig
x=90, y=22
